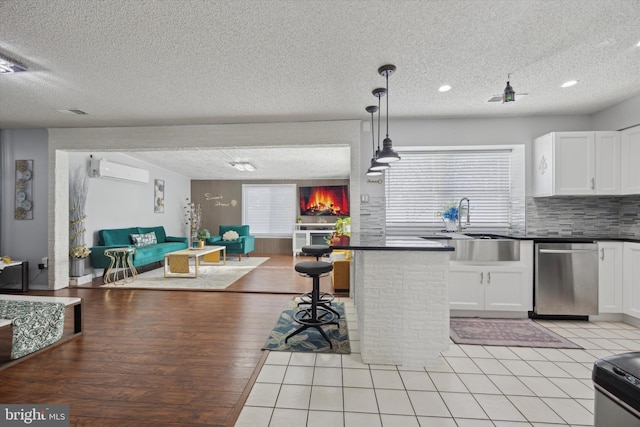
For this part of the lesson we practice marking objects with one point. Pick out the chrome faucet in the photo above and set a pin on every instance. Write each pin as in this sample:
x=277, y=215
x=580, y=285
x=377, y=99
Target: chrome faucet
x=468, y=221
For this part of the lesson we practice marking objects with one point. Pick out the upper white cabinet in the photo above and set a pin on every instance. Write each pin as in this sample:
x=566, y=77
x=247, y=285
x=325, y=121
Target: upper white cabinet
x=576, y=163
x=630, y=172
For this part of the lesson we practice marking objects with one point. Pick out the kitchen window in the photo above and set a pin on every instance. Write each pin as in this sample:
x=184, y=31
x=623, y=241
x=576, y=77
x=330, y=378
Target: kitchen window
x=269, y=209
x=418, y=187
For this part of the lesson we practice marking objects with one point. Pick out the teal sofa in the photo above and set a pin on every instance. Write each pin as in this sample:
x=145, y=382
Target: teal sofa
x=121, y=238
x=242, y=246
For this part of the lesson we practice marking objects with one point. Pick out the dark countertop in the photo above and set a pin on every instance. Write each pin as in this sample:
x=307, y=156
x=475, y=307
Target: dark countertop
x=544, y=239
x=380, y=243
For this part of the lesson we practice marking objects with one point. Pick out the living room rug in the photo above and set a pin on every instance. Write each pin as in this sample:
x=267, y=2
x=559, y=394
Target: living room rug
x=309, y=340
x=210, y=277
x=506, y=332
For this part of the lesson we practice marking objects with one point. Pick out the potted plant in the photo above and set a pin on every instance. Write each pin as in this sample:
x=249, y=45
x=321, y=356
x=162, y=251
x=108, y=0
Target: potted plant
x=343, y=226
x=450, y=214
x=299, y=219
x=342, y=231
x=203, y=235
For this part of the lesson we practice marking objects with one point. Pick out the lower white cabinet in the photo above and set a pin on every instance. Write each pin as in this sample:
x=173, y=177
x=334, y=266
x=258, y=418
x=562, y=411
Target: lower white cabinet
x=610, y=277
x=499, y=286
x=631, y=279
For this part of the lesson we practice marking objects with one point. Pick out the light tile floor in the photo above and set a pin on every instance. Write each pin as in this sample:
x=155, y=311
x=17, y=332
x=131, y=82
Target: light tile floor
x=473, y=385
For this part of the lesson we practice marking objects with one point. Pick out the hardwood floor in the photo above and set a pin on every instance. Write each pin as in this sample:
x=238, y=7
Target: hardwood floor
x=160, y=358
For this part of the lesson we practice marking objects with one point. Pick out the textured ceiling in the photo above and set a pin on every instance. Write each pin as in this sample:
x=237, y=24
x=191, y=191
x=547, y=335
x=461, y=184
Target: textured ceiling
x=151, y=62
x=270, y=162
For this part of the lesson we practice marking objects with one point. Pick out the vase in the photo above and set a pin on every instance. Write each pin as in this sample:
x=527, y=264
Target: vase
x=76, y=267
x=450, y=225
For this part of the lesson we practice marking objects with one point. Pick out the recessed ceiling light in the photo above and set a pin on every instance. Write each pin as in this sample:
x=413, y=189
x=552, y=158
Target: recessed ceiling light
x=570, y=83
x=10, y=66
x=444, y=88
x=638, y=44
x=243, y=166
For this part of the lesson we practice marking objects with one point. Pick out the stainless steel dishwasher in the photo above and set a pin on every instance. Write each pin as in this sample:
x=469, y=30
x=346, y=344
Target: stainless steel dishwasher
x=566, y=279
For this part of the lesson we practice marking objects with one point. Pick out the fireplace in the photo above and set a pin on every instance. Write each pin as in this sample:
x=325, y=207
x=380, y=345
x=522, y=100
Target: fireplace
x=328, y=200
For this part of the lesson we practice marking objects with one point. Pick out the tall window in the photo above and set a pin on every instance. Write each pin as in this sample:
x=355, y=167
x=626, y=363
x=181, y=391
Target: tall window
x=424, y=182
x=269, y=209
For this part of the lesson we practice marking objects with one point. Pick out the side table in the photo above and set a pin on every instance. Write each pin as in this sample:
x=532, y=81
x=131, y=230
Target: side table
x=24, y=279
x=121, y=259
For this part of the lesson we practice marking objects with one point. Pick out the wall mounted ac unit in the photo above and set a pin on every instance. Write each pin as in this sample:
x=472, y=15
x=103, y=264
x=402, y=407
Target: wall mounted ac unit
x=102, y=168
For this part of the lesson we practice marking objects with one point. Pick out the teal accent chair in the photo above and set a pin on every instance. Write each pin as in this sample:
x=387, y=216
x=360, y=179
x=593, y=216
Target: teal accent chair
x=244, y=245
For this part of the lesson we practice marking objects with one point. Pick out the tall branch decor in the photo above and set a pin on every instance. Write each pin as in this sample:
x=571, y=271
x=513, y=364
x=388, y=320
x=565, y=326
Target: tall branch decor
x=77, y=207
x=193, y=219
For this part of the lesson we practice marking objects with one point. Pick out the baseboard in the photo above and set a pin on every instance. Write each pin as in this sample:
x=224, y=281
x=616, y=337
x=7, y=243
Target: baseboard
x=633, y=321
x=607, y=317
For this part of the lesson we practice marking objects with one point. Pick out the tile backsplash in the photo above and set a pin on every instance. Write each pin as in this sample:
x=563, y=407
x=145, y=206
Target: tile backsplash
x=599, y=216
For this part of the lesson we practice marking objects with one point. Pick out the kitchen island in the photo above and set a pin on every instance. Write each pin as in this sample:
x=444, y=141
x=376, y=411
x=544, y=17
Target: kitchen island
x=400, y=288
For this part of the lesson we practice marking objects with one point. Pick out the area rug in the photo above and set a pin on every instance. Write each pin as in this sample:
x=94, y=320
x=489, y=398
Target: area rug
x=506, y=332
x=309, y=340
x=210, y=277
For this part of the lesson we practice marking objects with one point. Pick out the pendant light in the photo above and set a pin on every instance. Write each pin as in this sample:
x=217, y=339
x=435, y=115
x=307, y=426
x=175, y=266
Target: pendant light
x=379, y=93
x=375, y=169
x=509, y=94
x=387, y=155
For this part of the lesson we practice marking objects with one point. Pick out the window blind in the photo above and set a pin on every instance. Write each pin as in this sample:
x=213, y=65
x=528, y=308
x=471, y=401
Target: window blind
x=420, y=186
x=269, y=209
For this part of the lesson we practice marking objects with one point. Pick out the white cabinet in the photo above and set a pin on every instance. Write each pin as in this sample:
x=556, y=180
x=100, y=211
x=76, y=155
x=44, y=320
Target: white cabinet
x=310, y=234
x=630, y=172
x=576, y=163
x=631, y=279
x=610, y=277
x=499, y=286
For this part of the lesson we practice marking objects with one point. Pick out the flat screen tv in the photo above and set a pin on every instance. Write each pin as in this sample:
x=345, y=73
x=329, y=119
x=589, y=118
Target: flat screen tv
x=327, y=200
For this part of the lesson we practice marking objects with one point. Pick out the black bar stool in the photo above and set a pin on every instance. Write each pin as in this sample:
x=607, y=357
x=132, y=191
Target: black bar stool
x=324, y=298
x=316, y=250
x=316, y=315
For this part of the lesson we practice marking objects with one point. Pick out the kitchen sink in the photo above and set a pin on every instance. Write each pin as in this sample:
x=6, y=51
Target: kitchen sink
x=480, y=247
x=483, y=236
x=485, y=249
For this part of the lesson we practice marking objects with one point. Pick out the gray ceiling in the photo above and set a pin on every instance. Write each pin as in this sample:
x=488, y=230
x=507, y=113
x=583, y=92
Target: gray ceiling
x=145, y=62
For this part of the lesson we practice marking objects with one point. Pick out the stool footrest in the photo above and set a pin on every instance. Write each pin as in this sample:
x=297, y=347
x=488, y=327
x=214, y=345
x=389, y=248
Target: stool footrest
x=322, y=316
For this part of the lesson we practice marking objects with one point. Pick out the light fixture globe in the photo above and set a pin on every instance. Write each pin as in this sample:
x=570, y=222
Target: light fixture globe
x=388, y=155
x=373, y=173
x=378, y=166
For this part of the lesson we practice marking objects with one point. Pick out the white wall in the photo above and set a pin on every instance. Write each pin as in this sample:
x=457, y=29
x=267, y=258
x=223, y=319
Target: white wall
x=25, y=240
x=450, y=132
x=119, y=204
x=621, y=116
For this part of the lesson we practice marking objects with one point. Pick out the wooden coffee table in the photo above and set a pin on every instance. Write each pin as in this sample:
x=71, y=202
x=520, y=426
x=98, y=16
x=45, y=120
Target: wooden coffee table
x=183, y=256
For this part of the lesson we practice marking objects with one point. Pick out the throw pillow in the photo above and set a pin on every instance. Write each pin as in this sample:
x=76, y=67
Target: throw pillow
x=144, y=239
x=230, y=235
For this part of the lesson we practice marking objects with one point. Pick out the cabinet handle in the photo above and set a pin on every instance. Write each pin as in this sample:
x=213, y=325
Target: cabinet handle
x=481, y=278
x=488, y=278
x=593, y=183
x=602, y=254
